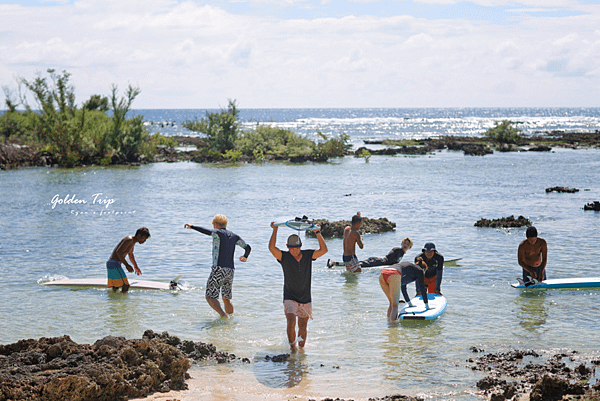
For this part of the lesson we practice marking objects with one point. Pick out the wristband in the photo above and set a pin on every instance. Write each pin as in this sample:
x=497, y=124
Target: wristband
x=317, y=232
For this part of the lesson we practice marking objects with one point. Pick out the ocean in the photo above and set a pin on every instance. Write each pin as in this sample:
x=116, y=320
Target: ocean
x=352, y=351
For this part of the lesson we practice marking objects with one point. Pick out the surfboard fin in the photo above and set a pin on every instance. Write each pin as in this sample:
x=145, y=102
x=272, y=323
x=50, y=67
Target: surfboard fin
x=174, y=284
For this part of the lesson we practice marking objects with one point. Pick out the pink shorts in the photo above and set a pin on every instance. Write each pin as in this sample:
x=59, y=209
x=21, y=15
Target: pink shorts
x=386, y=273
x=300, y=310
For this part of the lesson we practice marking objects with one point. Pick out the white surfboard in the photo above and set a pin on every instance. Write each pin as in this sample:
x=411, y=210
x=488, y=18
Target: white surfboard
x=452, y=262
x=437, y=306
x=297, y=225
x=567, y=283
x=103, y=283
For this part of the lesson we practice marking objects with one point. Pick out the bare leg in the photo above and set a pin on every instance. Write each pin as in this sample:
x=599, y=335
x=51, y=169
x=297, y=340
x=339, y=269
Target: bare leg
x=394, y=282
x=291, y=330
x=302, y=330
x=125, y=288
x=216, y=305
x=228, y=306
x=386, y=290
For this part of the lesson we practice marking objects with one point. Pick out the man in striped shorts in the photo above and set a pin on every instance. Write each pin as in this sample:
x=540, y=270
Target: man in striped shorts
x=221, y=275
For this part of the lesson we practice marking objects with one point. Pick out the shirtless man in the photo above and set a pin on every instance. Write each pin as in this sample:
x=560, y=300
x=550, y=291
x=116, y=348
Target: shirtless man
x=351, y=239
x=116, y=276
x=533, y=255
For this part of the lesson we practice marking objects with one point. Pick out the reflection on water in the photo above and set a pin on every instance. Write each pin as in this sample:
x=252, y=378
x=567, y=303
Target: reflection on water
x=286, y=374
x=532, y=310
x=123, y=314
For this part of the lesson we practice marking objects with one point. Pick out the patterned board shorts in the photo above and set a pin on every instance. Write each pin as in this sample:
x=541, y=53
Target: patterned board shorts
x=300, y=310
x=116, y=275
x=220, y=281
x=351, y=262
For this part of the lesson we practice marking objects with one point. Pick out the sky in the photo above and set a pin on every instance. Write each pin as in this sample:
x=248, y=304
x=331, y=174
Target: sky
x=310, y=53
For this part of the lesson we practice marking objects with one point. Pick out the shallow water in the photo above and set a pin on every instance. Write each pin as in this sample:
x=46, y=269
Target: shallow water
x=352, y=351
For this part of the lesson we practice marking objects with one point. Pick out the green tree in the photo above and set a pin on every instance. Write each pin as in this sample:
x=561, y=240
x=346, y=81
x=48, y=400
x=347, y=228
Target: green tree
x=126, y=136
x=96, y=102
x=504, y=132
x=222, y=128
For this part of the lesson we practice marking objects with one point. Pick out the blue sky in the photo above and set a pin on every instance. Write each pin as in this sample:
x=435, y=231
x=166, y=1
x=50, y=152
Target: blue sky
x=307, y=53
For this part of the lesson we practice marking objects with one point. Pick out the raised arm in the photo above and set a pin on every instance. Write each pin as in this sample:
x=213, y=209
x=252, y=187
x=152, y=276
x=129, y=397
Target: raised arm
x=272, y=248
x=322, y=245
x=199, y=229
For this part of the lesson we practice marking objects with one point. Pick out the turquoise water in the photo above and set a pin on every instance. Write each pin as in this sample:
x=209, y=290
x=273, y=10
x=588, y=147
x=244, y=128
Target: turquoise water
x=352, y=351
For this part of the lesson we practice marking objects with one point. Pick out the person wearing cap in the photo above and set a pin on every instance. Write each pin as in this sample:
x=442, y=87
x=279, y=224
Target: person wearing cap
x=393, y=280
x=351, y=239
x=220, y=280
x=297, y=274
x=435, y=268
x=533, y=255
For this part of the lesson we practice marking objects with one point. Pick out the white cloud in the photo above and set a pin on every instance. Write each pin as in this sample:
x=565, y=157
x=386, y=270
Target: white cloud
x=188, y=55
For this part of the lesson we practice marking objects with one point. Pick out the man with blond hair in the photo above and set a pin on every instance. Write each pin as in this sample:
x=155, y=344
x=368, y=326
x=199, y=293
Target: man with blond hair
x=220, y=280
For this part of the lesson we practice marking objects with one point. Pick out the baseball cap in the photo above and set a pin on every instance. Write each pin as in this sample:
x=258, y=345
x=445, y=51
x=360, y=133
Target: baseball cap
x=294, y=241
x=430, y=246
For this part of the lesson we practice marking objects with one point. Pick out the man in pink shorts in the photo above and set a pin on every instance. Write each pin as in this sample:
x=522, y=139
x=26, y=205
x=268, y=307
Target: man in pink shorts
x=297, y=272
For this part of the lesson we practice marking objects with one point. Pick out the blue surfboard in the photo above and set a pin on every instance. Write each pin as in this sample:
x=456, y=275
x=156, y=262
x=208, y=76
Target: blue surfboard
x=566, y=283
x=437, y=306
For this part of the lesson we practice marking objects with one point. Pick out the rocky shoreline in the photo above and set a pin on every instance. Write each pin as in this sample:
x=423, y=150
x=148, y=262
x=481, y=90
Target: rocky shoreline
x=335, y=229
x=114, y=368
x=18, y=155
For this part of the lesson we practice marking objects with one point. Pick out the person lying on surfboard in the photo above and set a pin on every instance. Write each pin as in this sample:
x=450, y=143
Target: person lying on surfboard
x=394, y=256
x=533, y=255
x=220, y=280
x=116, y=276
x=394, y=279
x=351, y=239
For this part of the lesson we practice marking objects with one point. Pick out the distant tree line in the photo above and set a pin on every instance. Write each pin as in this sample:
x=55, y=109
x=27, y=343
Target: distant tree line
x=226, y=140
x=98, y=131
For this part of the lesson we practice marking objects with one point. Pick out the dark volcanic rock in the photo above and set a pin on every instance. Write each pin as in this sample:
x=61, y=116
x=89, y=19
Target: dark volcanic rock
x=562, y=190
x=12, y=156
x=197, y=351
x=592, y=206
x=540, y=148
x=113, y=368
x=504, y=222
x=508, y=375
x=471, y=149
x=369, y=226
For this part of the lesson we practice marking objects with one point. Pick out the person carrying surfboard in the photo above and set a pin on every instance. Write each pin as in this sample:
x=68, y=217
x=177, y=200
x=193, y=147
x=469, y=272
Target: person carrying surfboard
x=533, y=255
x=394, y=280
x=220, y=280
x=297, y=275
x=116, y=276
x=435, y=268
x=351, y=239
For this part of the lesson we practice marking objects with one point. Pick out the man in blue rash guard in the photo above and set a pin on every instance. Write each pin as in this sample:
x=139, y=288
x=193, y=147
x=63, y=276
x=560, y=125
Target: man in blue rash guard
x=221, y=275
